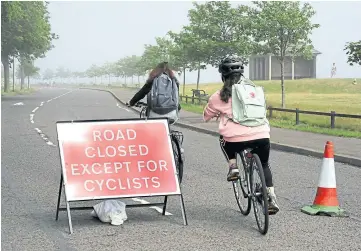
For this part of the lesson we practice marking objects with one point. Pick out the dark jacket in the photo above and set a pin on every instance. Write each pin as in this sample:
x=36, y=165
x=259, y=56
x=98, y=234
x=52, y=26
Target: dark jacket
x=147, y=87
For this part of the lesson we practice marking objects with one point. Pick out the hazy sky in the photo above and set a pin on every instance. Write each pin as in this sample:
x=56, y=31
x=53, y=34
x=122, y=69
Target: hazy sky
x=97, y=32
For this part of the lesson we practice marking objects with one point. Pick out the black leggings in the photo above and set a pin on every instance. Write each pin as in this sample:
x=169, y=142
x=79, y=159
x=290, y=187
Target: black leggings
x=260, y=146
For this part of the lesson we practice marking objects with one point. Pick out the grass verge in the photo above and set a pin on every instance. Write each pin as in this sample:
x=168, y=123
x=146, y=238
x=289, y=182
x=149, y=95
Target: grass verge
x=17, y=92
x=284, y=122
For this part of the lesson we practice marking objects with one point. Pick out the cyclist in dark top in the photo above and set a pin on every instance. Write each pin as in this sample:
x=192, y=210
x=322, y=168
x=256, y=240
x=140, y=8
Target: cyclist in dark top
x=160, y=69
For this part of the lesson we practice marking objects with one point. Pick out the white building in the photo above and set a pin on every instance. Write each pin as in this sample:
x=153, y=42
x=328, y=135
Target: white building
x=268, y=67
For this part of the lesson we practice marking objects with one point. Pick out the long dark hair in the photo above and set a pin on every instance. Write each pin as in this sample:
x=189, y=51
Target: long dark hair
x=161, y=68
x=226, y=91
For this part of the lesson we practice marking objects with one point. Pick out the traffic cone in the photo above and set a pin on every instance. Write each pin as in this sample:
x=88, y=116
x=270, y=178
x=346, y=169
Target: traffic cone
x=326, y=202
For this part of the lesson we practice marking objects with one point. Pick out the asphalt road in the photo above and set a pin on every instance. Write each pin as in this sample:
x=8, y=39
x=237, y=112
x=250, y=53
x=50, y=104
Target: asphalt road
x=31, y=173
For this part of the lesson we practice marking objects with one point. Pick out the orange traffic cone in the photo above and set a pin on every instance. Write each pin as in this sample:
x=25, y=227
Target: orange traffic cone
x=326, y=202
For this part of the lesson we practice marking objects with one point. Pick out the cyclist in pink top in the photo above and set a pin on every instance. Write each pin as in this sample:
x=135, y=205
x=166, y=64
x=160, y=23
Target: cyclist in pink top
x=235, y=137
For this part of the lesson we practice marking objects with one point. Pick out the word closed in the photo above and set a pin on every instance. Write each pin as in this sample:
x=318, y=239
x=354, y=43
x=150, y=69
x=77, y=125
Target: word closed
x=117, y=159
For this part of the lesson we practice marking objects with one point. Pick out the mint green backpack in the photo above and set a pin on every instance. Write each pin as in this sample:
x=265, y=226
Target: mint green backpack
x=248, y=104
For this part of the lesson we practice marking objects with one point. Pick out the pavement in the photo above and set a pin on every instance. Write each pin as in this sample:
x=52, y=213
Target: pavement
x=31, y=172
x=347, y=150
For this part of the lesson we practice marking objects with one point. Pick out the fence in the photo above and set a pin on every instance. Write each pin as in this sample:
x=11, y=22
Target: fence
x=332, y=114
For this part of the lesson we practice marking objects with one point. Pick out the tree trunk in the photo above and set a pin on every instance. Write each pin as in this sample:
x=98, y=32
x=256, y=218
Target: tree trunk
x=138, y=79
x=283, y=83
x=132, y=80
x=199, y=75
x=109, y=78
x=13, y=74
x=184, y=81
x=28, y=82
x=5, y=61
x=22, y=77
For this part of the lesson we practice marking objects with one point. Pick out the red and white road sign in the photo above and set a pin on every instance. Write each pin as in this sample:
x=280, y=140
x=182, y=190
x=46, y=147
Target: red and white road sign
x=109, y=159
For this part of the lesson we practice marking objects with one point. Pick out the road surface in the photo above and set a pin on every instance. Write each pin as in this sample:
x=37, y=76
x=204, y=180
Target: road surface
x=31, y=173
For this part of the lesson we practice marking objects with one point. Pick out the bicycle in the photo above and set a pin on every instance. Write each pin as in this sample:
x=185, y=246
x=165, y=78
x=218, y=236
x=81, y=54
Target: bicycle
x=257, y=195
x=176, y=140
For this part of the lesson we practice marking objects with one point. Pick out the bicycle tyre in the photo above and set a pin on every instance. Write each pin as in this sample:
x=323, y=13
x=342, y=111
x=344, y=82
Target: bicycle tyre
x=264, y=197
x=242, y=182
x=177, y=157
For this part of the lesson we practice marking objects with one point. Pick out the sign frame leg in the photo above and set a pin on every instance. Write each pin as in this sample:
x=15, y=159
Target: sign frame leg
x=165, y=204
x=59, y=197
x=69, y=214
x=184, y=215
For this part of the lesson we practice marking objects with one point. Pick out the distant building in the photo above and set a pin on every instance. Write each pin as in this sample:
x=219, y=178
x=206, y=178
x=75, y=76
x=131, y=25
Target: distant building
x=268, y=67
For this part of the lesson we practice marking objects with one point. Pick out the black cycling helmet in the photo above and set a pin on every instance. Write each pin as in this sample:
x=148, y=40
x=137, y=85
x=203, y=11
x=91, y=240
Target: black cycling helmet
x=230, y=65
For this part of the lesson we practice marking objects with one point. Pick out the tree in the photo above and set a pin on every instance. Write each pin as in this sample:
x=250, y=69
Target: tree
x=282, y=28
x=180, y=52
x=48, y=74
x=196, y=50
x=108, y=69
x=151, y=57
x=26, y=32
x=63, y=74
x=93, y=72
x=353, y=52
x=130, y=66
x=118, y=69
x=222, y=29
x=27, y=69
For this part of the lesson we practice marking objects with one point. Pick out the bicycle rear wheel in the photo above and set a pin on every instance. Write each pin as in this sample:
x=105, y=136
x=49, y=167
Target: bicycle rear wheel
x=177, y=157
x=241, y=186
x=259, y=194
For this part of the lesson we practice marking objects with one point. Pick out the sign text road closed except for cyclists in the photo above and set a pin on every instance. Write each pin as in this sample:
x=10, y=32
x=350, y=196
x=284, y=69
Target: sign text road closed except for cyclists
x=110, y=159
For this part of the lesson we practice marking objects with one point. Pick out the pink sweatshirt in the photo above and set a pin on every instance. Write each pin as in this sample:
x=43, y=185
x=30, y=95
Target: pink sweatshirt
x=232, y=132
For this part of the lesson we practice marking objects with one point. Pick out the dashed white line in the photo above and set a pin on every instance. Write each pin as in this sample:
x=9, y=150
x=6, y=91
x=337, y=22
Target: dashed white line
x=158, y=209
x=42, y=135
x=119, y=106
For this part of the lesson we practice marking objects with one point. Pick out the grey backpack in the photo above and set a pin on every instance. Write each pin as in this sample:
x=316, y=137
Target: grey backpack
x=163, y=98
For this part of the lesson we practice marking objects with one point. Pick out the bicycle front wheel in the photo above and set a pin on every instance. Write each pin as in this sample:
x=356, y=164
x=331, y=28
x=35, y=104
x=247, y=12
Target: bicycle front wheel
x=259, y=194
x=177, y=157
x=241, y=186
x=142, y=113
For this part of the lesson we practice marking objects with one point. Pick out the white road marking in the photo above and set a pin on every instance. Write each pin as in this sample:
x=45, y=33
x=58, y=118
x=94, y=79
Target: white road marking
x=158, y=209
x=20, y=103
x=60, y=96
x=119, y=106
x=42, y=135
